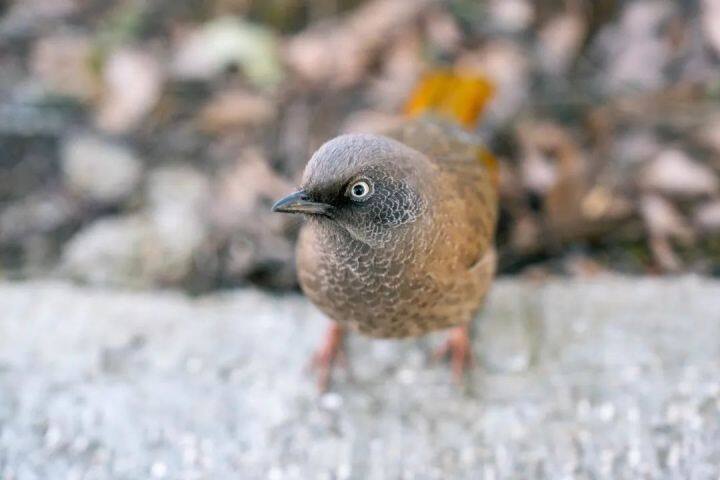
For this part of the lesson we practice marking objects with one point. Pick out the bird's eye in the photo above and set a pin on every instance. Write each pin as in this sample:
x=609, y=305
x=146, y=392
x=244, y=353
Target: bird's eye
x=360, y=190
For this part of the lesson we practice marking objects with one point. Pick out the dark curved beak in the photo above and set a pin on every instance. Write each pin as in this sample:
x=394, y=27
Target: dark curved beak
x=299, y=202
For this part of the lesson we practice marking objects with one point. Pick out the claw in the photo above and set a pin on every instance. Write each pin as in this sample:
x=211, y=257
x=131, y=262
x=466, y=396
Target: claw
x=458, y=347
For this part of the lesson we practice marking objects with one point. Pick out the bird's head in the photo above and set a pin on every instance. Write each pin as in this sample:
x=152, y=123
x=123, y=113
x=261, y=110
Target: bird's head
x=367, y=185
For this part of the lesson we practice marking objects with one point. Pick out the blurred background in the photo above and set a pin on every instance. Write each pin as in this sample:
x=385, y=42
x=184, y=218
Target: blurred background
x=143, y=142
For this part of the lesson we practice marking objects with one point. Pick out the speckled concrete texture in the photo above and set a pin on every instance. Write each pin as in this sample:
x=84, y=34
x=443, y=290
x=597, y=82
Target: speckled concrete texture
x=611, y=378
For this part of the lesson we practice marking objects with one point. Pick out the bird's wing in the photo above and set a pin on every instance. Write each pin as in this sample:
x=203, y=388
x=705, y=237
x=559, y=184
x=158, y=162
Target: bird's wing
x=468, y=169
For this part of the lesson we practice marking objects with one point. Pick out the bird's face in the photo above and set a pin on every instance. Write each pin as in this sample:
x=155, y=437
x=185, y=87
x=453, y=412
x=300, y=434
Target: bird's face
x=366, y=185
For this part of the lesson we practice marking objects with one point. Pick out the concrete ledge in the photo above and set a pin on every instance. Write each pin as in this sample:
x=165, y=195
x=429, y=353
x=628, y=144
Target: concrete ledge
x=610, y=378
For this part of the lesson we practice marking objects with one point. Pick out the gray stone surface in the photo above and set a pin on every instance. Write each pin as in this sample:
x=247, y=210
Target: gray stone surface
x=610, y=378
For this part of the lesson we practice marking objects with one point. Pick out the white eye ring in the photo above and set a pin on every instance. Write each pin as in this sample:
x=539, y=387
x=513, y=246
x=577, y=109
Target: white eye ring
x=360, y=190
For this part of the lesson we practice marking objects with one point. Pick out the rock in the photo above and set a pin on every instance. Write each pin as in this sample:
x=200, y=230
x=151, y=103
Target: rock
x=111, y=251
x=99, y=170
x=138, y=251
x=178, y=198
x=177, y=187
x=228, y=42
x=63, y=65
x=132, y=86
x=152, y=248
x=36, y=214
x=673, y=172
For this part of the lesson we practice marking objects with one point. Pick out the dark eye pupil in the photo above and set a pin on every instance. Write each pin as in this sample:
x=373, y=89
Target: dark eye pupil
x=358, y=190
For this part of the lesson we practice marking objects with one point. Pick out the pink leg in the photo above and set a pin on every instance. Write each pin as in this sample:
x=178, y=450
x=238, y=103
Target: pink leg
x=458, y=347
x=330, y=353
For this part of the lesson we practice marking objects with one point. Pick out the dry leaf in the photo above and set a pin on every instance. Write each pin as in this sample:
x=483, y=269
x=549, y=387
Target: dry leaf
x=673, y=172
x=560, y=41
x=511, y=15
x=443, y=31
x=63, y=64
x=339, y=54
x=402, y=65
x=709, y=135
x=245, y=192
x=707, y=217
x=132, y=86
x=525, y=234
x=663, y=219
x=369, y=121
x=236, y=109
x=710, y=16
x=663, y=223
x=259, y=242
x=505, y=64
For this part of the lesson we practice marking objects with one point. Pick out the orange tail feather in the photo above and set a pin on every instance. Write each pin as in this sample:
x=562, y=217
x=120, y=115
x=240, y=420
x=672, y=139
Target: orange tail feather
x=461, y=98
x=457, y=97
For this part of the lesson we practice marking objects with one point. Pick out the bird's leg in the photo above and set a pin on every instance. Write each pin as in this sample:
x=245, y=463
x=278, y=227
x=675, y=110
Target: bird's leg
x=458, y=347
x=331, y=351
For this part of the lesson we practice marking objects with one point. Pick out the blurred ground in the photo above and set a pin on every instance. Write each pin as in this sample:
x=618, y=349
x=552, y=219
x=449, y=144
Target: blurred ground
x=610, y=378
x=142, y=143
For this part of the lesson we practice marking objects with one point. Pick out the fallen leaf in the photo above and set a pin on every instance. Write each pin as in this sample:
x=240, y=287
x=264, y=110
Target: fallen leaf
x=339, y=54
x=245, y=192
x=560, y=41
x=63, y=63
x=511, y=15
x=370, y=121
x=505, y=64
x=133, y=83
x=525, y=234
x=664, y=223
x=673, y=172
x=710, y=17
x=707, y=217
x=236, y=109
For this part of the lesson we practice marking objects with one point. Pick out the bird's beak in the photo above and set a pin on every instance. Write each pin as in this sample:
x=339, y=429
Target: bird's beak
x=299, y=202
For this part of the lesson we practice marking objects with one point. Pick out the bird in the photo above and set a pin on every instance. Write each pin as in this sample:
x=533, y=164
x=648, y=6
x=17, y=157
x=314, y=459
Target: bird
x=399, y=233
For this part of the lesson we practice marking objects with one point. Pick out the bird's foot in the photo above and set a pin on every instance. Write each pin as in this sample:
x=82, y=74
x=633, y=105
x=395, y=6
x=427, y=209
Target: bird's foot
x=330, y=353
x=458, y=347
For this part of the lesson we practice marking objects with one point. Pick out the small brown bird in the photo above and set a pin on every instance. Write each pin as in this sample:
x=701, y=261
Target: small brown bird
x=399, y=234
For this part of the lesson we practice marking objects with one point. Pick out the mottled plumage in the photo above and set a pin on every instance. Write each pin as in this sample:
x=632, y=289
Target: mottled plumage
x=415, y=254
